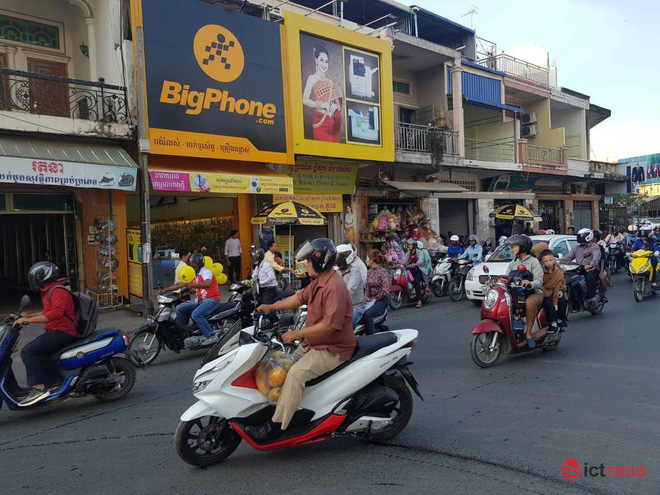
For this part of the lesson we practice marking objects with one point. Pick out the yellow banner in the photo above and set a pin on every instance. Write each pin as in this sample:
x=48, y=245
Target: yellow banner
x=135, y=279
x=650, y=189
x=134, y=241
x=216, y=183
x=318, y=177
x=325, y=203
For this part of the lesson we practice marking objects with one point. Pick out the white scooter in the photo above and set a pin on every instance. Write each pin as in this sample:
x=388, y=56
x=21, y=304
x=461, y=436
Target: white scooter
x=366, y=396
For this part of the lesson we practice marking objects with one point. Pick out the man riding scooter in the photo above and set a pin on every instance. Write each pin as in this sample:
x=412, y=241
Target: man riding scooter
x=587, y=254
x=59, y=315
x=455, y=249
x=474, y=252
x=521, y=246
x=646, y=242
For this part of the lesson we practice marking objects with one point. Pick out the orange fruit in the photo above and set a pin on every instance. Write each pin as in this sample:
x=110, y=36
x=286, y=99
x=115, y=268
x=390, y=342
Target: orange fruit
x=276, y=377
x=262, y=382
x=274, y=394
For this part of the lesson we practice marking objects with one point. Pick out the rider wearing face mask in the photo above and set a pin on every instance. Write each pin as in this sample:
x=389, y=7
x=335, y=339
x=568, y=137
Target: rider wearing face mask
x=587, y=254
x=328, y=334
x=521, y=246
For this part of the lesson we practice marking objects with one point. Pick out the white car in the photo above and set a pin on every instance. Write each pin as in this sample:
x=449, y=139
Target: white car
x=499, y=260
x=650, y=223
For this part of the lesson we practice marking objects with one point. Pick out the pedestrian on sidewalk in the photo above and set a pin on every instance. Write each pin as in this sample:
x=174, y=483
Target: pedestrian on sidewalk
x=233, y=252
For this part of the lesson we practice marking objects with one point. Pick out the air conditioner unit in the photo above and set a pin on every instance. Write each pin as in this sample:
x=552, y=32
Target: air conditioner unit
x=529, y=118
x=529, y=131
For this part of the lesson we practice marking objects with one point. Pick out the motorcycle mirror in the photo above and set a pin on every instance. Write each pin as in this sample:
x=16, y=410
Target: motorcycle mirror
x=522, y=269
x=25, y=302
x=560, y=255
x=486, y=269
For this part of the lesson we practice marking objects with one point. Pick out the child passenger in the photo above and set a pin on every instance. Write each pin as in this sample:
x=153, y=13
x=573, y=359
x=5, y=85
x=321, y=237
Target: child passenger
x=554, y=287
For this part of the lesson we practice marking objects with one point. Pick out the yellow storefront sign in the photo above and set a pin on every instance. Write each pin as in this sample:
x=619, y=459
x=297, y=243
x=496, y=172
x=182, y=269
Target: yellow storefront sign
x=217, y=183
x=325, y=203
x=319, y=177
x=650, y=189
x=134, y=241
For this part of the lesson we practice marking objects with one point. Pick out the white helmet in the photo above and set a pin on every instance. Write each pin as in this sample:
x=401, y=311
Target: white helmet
x=550, y=232
x=585, y=235
x=346, y=254
x=420, y=245
x=632, y=229
x=454, y=238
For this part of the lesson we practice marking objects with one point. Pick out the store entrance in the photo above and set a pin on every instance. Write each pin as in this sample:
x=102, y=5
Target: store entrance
x=28, y=238
x=551, y=212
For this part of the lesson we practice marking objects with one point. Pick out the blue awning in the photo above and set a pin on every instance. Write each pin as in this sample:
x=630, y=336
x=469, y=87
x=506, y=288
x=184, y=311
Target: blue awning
x=493, y=104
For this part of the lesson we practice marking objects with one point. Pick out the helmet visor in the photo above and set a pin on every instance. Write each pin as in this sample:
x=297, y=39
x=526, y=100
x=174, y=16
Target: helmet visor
x=304, y=252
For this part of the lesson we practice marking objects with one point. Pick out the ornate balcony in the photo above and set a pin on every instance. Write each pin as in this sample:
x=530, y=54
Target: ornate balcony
x=62, y=97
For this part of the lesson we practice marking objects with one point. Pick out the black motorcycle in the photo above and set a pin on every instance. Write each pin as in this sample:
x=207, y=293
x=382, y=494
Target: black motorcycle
x=457, y=284
x=615, y=257
x=576, y=291
x=161, y=329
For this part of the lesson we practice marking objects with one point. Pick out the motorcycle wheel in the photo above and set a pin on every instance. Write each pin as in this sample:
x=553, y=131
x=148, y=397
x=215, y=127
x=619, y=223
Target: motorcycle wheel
x=481, y=356
x=281, y=283
x=403, y=410
x=217, y=347
x=146, y=345
x=553, y=346
x=456, y=289
x=427, y=296
x=437, y=289
x=598, y=309
x=124, y=371
x=205, y=441
x=396, y=300
x=638, y=289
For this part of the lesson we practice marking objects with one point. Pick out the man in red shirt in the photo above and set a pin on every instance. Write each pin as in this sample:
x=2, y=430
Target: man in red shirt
x=59, y=314
x=328, y=334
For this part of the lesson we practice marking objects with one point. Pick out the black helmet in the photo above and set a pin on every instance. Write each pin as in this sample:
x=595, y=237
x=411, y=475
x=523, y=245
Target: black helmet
x=321, y=252
x=523, y=242
x=257, y=255
x=42, y=273
x=598, y=235
x=197, y=261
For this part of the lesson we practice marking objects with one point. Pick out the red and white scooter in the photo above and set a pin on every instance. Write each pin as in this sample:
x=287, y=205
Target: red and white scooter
x=502, y=325
x=366, y=396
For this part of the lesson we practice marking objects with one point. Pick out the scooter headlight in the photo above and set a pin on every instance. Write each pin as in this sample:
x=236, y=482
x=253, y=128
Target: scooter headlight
x=491, y=299
x=202, y=381
x=470, y=274
x=397, y=273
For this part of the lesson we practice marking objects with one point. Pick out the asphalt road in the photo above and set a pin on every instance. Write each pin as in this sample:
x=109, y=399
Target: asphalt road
x=504, y=430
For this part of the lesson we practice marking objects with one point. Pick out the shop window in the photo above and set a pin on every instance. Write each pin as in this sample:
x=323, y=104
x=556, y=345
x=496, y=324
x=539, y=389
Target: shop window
x=3, y=203
x=43, y=202
x=29, y=32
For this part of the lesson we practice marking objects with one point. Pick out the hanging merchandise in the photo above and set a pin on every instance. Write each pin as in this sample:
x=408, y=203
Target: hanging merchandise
x=106, y=289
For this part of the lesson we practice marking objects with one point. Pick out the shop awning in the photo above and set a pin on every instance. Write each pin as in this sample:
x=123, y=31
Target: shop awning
x=58, y=163
x=428, y=187
x=492, y=104
x=216, y=176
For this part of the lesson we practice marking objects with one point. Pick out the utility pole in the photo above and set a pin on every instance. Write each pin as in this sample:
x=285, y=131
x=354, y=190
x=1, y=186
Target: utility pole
x=143, y=136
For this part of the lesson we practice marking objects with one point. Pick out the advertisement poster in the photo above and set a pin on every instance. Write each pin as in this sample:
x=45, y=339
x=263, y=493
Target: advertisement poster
x=318, y=177
x=206, y=68
x=16, y=170
x=325, y=203
x=133, y=240
x=340, y=91
x=219, y=183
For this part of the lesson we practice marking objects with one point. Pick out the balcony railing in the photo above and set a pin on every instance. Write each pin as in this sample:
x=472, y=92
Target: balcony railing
x=62, y=97
x=418, y=138
x=490, y=151
x=516, y=67
x=540, y=154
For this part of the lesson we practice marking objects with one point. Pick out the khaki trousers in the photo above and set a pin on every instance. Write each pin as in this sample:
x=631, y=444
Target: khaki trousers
x=309, y=364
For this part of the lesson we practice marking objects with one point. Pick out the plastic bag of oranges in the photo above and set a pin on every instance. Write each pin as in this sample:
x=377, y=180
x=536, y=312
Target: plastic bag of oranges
x=271, y=374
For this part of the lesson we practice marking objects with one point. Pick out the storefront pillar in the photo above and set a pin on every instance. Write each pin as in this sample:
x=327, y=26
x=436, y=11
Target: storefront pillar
x=244, y=227
x=119, y=213
x=568, y=214
x=483, y=228
x=595, y=214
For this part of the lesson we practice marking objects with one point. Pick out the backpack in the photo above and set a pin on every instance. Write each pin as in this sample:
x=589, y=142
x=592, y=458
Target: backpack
x=87, y=311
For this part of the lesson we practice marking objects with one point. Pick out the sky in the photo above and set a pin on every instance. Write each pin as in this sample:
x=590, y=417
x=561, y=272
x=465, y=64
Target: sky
x=605, y=49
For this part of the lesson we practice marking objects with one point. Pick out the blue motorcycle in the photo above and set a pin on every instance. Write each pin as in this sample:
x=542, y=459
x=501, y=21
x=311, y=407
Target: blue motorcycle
x=89, y=366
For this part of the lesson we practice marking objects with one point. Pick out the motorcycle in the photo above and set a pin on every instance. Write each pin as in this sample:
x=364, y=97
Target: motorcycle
x=641, y=273
x=442, y=275
x=402, y=290
x=89, y=366
x=161, y=329
x=457, y=284
x=614, y=256
x=502, y=325
x=576, y=291
x=367, y=396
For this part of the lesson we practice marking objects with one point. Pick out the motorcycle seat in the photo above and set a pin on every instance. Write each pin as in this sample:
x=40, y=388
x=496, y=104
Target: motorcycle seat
x=78, y=342
x=224, y=307
x=284, y=294
x=366, y=345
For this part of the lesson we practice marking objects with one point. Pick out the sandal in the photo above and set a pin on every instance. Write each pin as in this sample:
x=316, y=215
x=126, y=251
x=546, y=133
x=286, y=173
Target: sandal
x=530, y=343
x=419, y=304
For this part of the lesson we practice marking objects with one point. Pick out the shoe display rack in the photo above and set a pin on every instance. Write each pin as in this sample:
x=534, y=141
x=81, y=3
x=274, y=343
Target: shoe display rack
x=206, y=235
x=106, y=289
